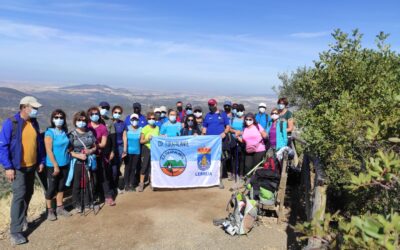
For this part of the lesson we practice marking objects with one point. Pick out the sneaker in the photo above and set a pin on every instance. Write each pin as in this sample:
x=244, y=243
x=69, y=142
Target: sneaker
x=78, y=210
x=221, y=185
x=25, y=225
x=140, y=187
x=62, y=212
x=50, y=214
x=17, y=239
x=230, y=177
x=110, y=202
x=121, y=191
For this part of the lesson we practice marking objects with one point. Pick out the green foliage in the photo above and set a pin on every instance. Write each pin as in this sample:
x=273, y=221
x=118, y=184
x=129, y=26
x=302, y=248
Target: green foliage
x=349, y=113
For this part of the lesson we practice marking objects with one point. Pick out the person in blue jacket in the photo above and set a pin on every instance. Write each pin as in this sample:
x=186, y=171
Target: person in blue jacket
x=262, y=117
x=137, y=109
x=21, y=153
x=276, y=129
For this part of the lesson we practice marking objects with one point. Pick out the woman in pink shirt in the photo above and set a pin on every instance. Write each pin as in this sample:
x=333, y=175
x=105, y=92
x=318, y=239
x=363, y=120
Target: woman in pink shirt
x=103, y=173
x=253, y=136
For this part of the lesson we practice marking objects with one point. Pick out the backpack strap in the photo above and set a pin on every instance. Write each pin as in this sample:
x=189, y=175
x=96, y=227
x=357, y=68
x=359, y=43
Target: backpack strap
x=14, y=127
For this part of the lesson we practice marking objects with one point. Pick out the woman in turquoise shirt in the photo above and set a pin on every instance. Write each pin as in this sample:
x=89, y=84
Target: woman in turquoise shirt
x=57, y=162
x=131, y=138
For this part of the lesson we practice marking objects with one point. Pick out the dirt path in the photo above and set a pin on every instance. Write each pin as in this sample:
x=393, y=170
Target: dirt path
x=179, y=219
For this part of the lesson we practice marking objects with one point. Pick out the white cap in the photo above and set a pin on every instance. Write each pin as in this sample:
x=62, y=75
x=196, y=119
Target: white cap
x=262, y=105
x=134, y=115
x=30, y=100
x=163, y=109
x=157, y=110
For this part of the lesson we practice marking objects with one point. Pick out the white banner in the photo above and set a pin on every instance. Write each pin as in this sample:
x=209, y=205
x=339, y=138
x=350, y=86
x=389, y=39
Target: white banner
x=185, y=161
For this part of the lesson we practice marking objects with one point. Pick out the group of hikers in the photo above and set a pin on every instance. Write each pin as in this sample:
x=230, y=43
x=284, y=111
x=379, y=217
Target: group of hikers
x=89, y=156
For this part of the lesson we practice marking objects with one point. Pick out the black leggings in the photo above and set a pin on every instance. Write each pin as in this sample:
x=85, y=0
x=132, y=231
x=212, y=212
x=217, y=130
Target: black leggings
x=131, y=168
x=55, y=184
x=252, y=160
x=145, y=170
x=238, y=157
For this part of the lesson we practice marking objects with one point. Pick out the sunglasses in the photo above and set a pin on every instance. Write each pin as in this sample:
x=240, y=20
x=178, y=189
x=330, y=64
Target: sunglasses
x=58, y=117
x=94, y=114
x=274, y=113
x=82, y=119
x=116, y=112
x=152, y=118
x=249, y=120
x=190, y=120
x=108, y=108
x=134, y=119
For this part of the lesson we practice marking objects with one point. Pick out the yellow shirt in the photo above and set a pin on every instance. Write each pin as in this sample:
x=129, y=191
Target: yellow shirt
x=149, y=130
x=29, y=145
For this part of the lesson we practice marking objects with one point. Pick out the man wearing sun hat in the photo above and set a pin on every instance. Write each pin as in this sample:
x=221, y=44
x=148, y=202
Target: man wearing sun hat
x=216, y=123
x=21, y=153
x=262, y=117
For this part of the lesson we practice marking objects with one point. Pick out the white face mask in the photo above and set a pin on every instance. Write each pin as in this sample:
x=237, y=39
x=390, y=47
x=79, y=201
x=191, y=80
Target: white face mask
x=281, y=106
x=172, y=118
x=134, y=123
x=262, y=110
x=274, y=116
x=104, y=112
x=198, y=114
x=248, y=123
x=239, y=113
x=58, y=122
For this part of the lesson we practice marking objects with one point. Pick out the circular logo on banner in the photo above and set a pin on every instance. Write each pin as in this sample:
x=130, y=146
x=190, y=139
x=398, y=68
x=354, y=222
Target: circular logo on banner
x=173, y=162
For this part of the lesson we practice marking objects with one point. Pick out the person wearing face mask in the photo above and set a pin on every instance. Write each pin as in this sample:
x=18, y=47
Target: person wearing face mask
x=172, y=127
x=198, y=114
x=253, y=136
x=228, y=109
x=190, y=126
x=83, y=147
x=238, y=152
x=163, y=116
x=216, y=123
x=181, y=112
x=262, y=117
x=57, y=162
x=148, y=132
x=132, y=147
x=159, y=120
x=104, y=108
x=104, y=172
x=234, y=109
x=188, y=111
x=21, y=154
x=114, y=149
x=137, y=109
x=285, y=114
x=277, y=131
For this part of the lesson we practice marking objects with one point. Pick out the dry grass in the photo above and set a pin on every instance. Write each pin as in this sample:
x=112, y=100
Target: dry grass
x=36, y=208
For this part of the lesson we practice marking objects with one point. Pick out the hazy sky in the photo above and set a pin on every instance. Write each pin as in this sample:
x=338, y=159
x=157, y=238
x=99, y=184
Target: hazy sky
x=233, y=46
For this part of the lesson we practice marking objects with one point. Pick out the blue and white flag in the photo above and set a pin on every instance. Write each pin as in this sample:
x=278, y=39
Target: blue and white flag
x=185, y=161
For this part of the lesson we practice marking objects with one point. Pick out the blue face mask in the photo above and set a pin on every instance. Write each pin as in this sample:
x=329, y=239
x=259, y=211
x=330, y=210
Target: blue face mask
x=234, y=111
x=104, y=112
x=189, y=112
x=281, y=106
x=240, y=113
x=33, y=113
x=58, y=122
x=162, y=114
x=80, y=124
x=94, y=118
x=134, y=123
x=151, y=122
x=116, y=116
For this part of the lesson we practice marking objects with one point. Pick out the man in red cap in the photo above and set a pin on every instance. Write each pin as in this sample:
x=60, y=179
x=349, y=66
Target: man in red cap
x=216, y=123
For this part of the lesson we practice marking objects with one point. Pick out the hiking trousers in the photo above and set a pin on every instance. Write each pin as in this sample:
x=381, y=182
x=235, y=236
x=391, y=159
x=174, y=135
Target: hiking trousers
x=22, y=191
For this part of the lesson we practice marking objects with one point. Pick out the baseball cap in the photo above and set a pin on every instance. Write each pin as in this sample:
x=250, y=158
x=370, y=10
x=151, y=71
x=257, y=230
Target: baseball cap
x=104, y=104
x=134, y=116
x=30, y=100
x=163, y=109
x=212, y=102
x=188, y=106
x=262, y=105
x=157, y=110
x=227, y=103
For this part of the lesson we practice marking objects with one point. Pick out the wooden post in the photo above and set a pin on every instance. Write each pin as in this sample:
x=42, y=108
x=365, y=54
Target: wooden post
x=282, y=189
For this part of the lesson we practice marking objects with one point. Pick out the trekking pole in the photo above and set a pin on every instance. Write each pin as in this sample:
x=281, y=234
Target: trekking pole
x=255, y=168
x=90, y=190
x=82, y=190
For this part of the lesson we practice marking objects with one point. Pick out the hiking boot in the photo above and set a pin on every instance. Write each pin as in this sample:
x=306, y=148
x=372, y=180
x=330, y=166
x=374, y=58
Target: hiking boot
x=17, y=239
x=221, y=185
x=50, y=214
x=110, y=202
x=62, y=212
x=140, y=187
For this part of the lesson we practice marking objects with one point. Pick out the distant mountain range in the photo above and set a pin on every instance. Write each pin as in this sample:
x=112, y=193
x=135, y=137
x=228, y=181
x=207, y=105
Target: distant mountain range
x=81, y=97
